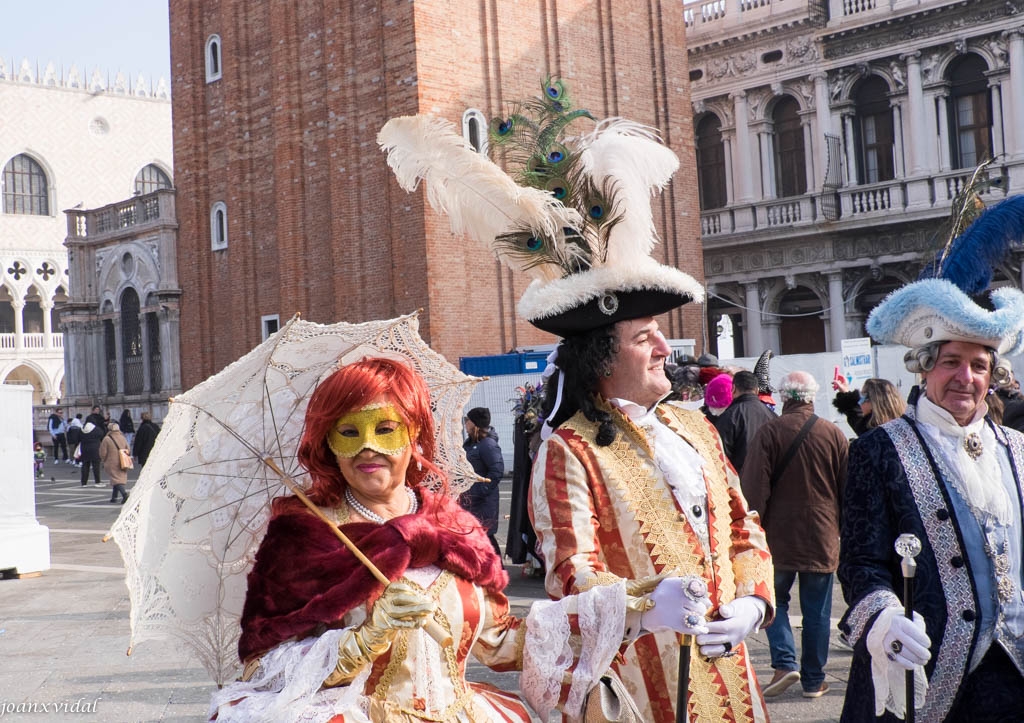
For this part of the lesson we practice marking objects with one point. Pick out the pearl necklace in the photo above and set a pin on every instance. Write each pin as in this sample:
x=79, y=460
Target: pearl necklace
x=368, y=514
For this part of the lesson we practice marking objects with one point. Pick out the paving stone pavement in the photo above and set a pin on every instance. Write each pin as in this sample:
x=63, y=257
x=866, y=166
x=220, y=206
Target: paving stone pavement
x=64, y=634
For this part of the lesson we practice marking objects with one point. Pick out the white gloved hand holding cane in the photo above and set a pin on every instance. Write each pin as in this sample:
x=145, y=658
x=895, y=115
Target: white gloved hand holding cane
x=737, y=620
x=897, y=645
x=680, y=604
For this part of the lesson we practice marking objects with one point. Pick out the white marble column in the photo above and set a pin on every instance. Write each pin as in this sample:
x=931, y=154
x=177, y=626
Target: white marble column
x=943, y=138
x=764, y=140
x=146, y=373
x=915, y=103
x=744, y=157
x=47, y=326
x=899, y=162
x=119, y=353
x=998, y=146
x=810, y=158
x=19, y=324
x=730, y=193
x=836, y=311
x=823, y=117
x=170, y=338
x=1015, y=116
x=753, y=343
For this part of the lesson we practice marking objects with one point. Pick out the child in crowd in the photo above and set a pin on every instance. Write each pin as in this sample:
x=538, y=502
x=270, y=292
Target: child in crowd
x=39, y=454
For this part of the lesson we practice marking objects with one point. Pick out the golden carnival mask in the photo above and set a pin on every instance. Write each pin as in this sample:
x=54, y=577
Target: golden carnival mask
x=376, y=426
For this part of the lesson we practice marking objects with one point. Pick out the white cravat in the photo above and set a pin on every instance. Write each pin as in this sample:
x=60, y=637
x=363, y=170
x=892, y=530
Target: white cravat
x=976, y=480
x=680, y=464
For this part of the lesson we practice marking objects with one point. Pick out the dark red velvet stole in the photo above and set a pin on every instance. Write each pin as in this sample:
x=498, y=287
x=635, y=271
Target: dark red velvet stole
x=304, y=579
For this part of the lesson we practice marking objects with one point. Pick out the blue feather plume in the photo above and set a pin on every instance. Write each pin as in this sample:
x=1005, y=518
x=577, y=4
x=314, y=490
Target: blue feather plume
x=974, y=254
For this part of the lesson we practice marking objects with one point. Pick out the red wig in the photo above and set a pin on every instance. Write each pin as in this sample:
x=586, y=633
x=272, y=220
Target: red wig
x=353, y=387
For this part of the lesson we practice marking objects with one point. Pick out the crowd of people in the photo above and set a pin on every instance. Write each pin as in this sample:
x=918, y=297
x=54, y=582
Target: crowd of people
x=669, y=533
x=97, y=444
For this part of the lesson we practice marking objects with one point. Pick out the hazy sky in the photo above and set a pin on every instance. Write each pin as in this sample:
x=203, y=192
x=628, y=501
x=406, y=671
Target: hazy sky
x=126, y=35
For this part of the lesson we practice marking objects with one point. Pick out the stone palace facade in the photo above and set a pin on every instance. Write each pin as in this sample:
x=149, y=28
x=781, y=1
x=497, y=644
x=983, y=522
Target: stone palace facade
x=67, y=141
x=831, y=137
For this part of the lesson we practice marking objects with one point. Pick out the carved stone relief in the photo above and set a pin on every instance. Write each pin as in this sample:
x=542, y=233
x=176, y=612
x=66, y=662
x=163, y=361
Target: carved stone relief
x=952, y=18
x=898, y=76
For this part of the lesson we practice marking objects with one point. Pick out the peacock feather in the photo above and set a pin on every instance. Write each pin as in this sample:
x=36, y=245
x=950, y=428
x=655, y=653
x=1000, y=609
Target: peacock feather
x=566, y=204
x=976, y=238
x=968, y=261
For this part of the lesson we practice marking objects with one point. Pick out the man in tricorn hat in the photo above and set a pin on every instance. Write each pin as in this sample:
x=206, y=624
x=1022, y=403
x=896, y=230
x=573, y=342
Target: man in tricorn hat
x=625, y=486
x=946, y=474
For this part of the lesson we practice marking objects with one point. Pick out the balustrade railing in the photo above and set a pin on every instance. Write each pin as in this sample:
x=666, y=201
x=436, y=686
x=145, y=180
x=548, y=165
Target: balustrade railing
x=32, y=341
x=118, y=216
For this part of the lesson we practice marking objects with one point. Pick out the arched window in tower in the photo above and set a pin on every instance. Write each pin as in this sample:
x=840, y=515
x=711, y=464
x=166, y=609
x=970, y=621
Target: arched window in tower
x=711, y=163
x=874, y=131
x=970, y=112
x=790, y=166
x=151, y=178
x=474, y=130
x=219, y=226
x=131, y=342
x=25, y=188
x=213, y=58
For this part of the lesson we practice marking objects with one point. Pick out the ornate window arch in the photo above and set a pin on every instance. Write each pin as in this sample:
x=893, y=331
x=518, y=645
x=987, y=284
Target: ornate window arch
x=131, y=342
x=970, y=111
x=151, y=178
x=790, y=156
x=711, y=162
x=26, y=189
x=874, y=132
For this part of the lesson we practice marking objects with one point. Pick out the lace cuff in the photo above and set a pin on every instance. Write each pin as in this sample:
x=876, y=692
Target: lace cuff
x=548, y=656
x=287, y=686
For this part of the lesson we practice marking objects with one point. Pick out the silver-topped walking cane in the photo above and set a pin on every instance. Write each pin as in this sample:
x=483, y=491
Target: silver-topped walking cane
x=908, y=547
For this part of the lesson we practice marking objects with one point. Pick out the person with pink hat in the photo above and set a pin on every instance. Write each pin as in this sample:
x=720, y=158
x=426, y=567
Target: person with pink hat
x=717, y=396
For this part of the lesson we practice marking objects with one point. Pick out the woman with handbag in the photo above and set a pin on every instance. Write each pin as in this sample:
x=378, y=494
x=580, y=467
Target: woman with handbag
x=116, y=459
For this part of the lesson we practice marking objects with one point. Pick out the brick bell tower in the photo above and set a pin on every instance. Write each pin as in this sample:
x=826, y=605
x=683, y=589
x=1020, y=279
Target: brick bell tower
x=286, y=205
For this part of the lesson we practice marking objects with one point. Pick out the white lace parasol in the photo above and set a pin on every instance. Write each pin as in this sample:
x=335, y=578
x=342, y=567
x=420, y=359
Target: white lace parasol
x=190, y=531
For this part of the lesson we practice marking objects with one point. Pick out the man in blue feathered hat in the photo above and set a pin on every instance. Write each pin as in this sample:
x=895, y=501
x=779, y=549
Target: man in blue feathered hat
x=948, y=475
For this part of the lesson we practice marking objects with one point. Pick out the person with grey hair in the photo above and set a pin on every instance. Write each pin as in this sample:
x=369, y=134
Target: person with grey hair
x=949, y=476
x=794, y=475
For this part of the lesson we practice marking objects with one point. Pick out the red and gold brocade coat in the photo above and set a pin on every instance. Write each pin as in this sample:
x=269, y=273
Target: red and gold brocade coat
x=603, y=513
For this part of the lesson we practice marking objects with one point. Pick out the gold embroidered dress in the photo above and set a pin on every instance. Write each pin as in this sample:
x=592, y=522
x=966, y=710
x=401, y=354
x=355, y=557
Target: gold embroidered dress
x=606, y=513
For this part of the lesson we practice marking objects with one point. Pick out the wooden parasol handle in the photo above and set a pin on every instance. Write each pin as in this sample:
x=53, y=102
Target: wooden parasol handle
x=432, y=627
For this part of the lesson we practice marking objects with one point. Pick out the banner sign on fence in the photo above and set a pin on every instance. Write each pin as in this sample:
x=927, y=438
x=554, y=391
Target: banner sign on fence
x=857, y=366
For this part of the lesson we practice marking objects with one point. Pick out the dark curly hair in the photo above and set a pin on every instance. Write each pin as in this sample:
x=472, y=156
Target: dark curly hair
x=583, y=360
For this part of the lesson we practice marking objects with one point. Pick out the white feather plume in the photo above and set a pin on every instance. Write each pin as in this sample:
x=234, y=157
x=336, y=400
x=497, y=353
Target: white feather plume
x=631, y=155
x=479, y=198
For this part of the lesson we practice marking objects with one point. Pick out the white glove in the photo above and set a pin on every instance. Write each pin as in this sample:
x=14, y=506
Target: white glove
x=675, y=610
x=738, y=620
x=889, y=663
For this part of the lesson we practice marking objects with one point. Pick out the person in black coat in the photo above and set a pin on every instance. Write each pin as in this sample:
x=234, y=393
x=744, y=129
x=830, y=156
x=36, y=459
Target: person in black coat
x=98, y=418
x=484, y=454
x=145, y=438
x=92, y=436
x=742, y=418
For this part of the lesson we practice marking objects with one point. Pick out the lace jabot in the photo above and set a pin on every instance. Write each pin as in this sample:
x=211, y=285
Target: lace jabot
x=976, y=480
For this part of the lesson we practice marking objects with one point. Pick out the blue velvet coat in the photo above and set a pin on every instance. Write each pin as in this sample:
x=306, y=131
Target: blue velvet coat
x=894, y=486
